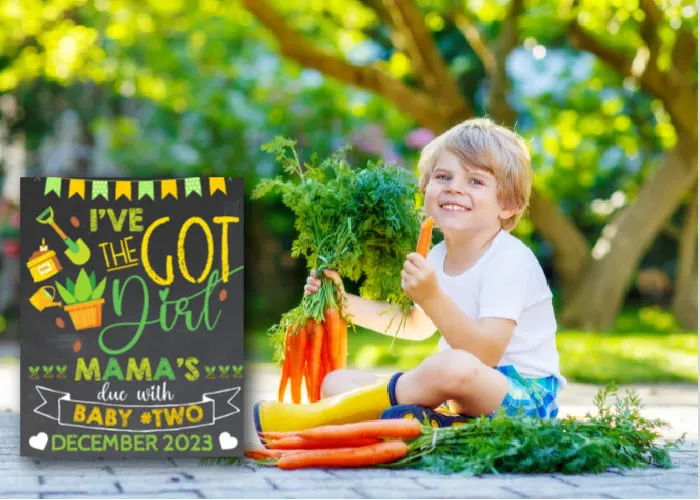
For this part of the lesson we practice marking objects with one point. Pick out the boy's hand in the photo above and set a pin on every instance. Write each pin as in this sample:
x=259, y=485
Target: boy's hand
x=418, y=278
x=313, y=283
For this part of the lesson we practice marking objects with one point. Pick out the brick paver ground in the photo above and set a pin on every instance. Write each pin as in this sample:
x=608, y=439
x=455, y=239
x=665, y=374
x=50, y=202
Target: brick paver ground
x=188, y=478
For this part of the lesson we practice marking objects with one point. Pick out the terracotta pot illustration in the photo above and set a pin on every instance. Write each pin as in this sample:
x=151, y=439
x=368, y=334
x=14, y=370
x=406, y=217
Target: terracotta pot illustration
x=86, y=314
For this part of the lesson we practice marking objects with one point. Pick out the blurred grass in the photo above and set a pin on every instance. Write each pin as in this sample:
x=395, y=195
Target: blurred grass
x=647, y=347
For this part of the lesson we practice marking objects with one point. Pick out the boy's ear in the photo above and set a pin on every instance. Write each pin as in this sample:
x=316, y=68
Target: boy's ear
x=507, y=213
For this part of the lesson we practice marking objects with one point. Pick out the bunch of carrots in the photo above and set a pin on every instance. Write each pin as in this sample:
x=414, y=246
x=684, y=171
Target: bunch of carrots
x=311, y=352
x=360, y=444
x=316, y=347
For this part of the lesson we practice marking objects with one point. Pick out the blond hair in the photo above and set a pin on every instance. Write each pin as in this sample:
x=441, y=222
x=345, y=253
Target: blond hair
x=482, y=144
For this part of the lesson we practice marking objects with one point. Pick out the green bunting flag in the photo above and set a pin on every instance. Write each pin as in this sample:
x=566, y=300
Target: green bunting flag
x=53, y=184
x=146, y=189
x=99, y=188
x=193, y=185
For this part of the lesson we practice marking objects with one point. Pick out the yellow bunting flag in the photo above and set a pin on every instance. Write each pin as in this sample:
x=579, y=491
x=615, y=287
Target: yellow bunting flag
x=168, y=187
x=76, y=186
x=123, y=188
x=217, y=184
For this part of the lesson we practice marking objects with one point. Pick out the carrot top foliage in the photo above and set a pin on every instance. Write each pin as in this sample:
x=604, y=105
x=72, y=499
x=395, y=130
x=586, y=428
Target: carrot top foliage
x=360, y=222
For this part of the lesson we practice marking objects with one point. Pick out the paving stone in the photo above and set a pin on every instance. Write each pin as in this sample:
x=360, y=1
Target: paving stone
x=612, y=480
x=27, y=484
x=485, y=492
x=404, y=484
x=174, y=483
x=166, y=494
x=214, y=492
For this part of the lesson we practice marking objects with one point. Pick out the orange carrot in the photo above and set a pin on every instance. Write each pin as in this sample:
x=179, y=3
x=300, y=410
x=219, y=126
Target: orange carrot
x=300, y=443
x=380, y=453
x=267, y=436
x=425, y=237
x=285, y=367
x=343, y=344
x=388, y=428
x=262, y=453
x=296, y=367
x=332, y=323
x=315, y=362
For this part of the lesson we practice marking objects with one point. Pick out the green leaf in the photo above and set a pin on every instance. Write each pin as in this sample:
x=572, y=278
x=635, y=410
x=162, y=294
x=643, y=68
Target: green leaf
x=99, y=290
x=67, y=296
x=70, y=285
x=92, y=280
x=82, y=287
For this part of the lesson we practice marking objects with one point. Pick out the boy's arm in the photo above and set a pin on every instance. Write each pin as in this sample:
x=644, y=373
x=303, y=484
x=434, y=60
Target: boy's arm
x=486, y=339
x=376, y=315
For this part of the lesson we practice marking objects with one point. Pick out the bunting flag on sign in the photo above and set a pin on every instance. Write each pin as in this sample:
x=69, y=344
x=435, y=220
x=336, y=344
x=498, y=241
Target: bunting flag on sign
x=168, y=187
x=76, y=186
x=53, y=184
x=217, y=184
x=100, y=188
x=123, y=188
x=192, y=185
x=145, y=189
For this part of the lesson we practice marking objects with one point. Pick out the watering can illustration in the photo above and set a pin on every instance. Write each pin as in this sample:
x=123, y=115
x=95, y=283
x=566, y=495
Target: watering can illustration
x=78, y=252
x=43, y=298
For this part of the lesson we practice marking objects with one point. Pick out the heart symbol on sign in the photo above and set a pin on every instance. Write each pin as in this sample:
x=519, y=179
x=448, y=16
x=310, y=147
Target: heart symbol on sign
x=39, y=441
x=227, y=441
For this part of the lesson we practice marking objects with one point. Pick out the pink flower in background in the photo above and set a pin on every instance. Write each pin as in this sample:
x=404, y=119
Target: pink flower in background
x=419, y=137
x=369, y=139
x=390, y=156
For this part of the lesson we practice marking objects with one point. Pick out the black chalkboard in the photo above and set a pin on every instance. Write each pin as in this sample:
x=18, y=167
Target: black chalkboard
x=131, y=317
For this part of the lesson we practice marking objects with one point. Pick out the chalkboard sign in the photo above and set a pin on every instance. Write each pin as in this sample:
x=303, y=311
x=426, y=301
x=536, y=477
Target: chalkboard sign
x=131, y=317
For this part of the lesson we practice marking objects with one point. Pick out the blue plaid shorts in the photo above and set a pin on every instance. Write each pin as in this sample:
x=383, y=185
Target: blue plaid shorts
x=534, y=397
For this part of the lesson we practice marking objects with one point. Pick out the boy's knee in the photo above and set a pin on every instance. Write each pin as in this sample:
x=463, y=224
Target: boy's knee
x=332, y=382
x=460, y=369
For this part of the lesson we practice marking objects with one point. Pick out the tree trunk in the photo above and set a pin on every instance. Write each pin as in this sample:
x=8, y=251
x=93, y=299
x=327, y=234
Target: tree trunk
x=606, y=278
x=685, y=299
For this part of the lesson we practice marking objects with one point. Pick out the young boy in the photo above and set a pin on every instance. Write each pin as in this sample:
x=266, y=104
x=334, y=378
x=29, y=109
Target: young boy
x=482, y=288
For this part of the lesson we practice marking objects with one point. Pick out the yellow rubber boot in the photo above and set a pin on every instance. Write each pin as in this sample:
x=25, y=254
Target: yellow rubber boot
x=364, y=403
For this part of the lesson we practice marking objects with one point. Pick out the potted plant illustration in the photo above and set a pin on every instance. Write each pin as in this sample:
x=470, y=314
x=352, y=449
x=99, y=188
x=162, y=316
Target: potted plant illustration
x=83, y=299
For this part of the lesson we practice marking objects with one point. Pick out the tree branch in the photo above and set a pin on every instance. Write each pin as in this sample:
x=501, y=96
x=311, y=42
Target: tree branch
x=500, y=83
x=421, y=106
x=471, y=33
x=425, y=55
x=653, y=16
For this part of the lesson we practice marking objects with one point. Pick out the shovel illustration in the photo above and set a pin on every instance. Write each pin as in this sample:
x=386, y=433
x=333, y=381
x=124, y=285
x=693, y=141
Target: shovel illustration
x=78, y=252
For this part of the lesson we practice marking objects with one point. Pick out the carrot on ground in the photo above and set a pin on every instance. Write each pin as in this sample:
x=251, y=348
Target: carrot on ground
x=262, y=453
x=425, y=237
x=387, y=428
x=380, y=453
x=300, y=443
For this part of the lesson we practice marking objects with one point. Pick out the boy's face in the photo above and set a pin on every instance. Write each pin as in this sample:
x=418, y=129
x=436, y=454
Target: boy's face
x=462, y=199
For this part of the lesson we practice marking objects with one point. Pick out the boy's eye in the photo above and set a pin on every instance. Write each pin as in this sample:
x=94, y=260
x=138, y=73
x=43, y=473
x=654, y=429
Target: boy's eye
x=443, y=177
x=476, y=181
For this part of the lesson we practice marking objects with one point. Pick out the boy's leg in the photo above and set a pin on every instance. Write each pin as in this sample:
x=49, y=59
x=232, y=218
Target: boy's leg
x=339, y=381
x=453, y=375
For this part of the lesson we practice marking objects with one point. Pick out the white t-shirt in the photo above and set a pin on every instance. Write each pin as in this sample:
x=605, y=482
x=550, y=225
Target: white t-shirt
x=507, y=282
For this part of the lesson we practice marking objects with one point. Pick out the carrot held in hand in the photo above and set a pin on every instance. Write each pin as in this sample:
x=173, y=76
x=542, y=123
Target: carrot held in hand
x=333, y=330
x=314, y=361
x=296, y=368
x=285, y=367
x=388, y=428
x=380, y=453
x=425, y=237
